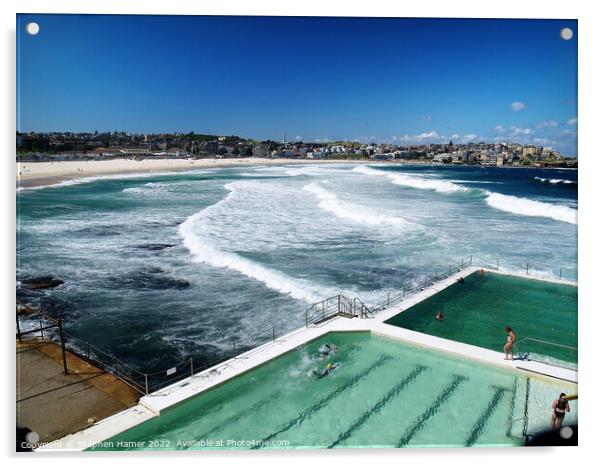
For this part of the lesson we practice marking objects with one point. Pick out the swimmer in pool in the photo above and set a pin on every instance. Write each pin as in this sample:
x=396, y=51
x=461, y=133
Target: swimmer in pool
x=327, y=350
x=439, y=316
x=329, y=368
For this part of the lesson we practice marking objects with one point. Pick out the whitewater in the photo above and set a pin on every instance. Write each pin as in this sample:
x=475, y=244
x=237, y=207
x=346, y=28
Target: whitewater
x=513, y=204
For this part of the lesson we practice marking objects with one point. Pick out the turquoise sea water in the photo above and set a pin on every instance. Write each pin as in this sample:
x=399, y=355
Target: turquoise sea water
x=161, y=267
x=383, y=394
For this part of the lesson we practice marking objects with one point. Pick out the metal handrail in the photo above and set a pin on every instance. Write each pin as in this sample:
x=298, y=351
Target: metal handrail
x=547, y=343
x=557, y=363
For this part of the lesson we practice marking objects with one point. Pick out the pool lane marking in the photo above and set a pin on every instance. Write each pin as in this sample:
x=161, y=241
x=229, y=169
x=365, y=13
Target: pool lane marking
x=297, y=421
x=481, y=423
x=244, y=413
x=396, y=390
x=421, y=420
x=512, y=408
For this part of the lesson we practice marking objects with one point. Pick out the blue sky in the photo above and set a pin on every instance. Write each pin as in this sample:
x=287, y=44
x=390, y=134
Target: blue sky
x=383, y=80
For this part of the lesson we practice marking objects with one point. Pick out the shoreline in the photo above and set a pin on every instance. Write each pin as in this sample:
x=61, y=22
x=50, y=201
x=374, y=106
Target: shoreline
x=32, y=175
x=41, y=174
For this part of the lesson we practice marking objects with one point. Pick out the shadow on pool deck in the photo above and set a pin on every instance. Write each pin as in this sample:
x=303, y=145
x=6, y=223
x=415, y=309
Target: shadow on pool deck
x=54, y=404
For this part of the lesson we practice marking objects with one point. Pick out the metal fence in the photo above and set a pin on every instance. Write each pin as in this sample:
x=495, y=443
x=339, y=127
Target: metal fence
x=426, y=281
x=528, y=267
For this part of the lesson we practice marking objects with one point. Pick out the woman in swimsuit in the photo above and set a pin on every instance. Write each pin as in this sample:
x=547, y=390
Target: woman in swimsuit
x=508, y=347
x=560, y=407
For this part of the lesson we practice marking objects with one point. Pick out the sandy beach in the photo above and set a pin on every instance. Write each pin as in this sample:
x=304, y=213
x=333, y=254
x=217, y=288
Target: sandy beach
x=35, y=174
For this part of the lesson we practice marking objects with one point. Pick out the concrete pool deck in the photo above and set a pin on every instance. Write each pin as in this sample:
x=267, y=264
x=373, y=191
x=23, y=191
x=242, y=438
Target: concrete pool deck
x=54, y=404
x=155, y=403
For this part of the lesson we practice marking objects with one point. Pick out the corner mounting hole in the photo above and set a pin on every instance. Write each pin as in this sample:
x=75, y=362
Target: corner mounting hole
x=566, y=33
x=32, y=28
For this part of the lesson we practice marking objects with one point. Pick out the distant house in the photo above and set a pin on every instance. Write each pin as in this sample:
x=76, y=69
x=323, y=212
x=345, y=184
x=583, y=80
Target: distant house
x=212, y=147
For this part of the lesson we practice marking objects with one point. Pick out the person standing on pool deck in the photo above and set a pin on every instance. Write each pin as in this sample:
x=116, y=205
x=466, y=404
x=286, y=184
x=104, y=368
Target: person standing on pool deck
x=560, y=407
x=508, y=347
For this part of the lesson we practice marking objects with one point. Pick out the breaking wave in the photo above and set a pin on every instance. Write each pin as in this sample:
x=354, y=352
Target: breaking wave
x=346, y=211
x=411, y=181
x=554, y=180
x=513, y=204
x=531, y=208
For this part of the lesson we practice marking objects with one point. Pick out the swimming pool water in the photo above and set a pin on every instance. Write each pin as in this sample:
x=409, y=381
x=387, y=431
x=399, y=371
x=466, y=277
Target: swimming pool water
x=384, y=394
x=477, y=311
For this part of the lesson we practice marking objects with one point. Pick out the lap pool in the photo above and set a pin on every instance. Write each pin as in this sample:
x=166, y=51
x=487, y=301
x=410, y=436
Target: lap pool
x=383, y=394
x=543, y=315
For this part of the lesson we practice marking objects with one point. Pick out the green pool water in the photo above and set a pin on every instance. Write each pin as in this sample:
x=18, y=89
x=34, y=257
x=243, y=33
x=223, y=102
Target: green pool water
x=384, y=394
x=477, y=311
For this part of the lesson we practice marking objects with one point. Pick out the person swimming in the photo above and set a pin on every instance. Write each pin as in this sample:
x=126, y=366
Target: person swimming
x=461, y=280
x=439, y=316
x=327, y=370
x=327, y=350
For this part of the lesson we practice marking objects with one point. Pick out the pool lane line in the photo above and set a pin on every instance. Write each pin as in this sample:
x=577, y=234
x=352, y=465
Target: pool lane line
x=242, y=414
x=396, y=390
x=421, y=420
x=481, y=423
x=512, y=408
x=297, y=421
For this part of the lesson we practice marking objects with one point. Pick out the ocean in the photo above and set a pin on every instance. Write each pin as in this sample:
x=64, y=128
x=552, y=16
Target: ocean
x=162, y=267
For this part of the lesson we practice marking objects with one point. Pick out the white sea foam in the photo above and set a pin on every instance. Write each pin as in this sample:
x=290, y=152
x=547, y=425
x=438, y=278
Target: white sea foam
x=412, y=181
x=554, y=180
x=122, y=176
x=354, y=212
x=195, y=236
x=529, y=207
x=148, y=189
x=314, y=170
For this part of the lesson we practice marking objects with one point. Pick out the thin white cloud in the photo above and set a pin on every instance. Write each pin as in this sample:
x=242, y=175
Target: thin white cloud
x=517, y=131
x=547, y=124
x=499, y=129
x=572, y=121
x=430, y=136
x=516, y=106
x=544, y=142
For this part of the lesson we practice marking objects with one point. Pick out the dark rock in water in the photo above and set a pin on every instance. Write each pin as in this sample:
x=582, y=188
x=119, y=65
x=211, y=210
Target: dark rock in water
x=38, y=283
x=99, y=230
x=154, y=246
x=155, y=279
x=24, y=309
